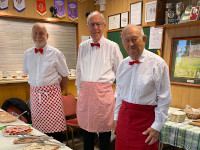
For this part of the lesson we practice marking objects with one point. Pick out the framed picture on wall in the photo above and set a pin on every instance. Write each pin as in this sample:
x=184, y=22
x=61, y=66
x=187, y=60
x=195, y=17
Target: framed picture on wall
x=150, y=11
x=185, y=61
x=136, y=13
x=124, y=19
x=114, y=22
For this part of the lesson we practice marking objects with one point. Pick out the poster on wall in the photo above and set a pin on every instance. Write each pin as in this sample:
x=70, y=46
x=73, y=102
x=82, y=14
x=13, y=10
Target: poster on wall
x=60, y=6
x=72, y=10
x=136, y=13
x=114, y=22
x=124, y=19
x=3, y=4
x=41, y=7
x=155, y=38
x=185, y=61
x=150, y=11
x=19, y=5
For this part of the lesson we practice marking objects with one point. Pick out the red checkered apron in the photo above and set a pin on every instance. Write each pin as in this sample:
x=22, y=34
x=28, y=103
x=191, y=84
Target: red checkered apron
x=95, y=106
x=47, y=110
x=134, y=119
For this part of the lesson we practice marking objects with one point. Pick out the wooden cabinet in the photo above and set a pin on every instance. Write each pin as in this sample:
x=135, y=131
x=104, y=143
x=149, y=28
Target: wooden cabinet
x=161, y=13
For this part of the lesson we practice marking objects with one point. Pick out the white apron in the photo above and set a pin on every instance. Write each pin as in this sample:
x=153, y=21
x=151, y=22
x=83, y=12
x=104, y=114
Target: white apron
x=95, y=106
x=47, y=110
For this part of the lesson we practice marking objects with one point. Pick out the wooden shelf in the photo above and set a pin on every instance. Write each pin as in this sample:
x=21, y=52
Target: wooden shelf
x=193, y=23
x=160, y=13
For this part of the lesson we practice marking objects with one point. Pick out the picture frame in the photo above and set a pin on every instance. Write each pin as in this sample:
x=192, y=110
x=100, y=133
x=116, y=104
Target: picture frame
x=185, y=61
x=114, y=21
x=124, y=19
x=150, y=11
x=136, y=13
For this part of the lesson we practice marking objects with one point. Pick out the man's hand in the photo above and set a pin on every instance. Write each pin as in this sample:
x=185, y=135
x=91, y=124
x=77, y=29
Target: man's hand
x=114, y=126
x=153, y=136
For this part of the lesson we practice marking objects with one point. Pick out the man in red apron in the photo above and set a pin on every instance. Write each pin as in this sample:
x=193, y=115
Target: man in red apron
x=47, y=70
x=98, y=59
x=143, y=94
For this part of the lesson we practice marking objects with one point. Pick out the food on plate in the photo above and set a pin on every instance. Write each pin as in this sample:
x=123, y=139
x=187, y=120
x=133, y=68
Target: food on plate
x=25, y=140
x=5, y=117
x=37, y=146
x=16, y=130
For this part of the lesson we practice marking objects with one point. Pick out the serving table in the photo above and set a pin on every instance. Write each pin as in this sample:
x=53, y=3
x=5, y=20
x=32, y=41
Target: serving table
x=182, y=135
x=6, y=142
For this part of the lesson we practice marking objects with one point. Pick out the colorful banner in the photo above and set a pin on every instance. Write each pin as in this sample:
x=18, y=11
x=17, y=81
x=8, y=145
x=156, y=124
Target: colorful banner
x=19, y=5
x=81, y=0
x=41, y=7
x=72, y=10
x=3, y=4
x=60, y=6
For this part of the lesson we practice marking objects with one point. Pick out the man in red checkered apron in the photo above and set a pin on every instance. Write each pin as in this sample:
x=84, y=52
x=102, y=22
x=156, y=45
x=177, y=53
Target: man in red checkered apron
x=143, y=94
x=48, y=76
x=98, y=59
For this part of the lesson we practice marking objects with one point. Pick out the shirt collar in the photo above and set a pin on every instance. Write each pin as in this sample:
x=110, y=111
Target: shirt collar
x=100, y=41
x=142, y=57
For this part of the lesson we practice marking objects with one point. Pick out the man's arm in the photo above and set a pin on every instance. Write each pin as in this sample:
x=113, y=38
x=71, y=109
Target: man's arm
x=63, y=83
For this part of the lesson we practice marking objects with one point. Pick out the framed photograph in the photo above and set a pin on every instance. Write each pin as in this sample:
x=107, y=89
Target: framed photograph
x=185, y=61
x=150, y=11
x=114, y=22
x=124, y=19
x=136, y=13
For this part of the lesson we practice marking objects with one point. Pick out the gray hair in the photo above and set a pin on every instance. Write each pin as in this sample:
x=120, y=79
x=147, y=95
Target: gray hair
x=95, y=13
x=131, y=25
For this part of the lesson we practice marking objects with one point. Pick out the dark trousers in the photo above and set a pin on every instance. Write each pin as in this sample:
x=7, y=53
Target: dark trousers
x=104, y=140
x=57, y=135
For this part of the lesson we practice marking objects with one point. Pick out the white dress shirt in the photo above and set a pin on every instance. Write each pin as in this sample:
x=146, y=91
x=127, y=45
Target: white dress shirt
x=146, y=83
x=44, y=69
x=97, y=64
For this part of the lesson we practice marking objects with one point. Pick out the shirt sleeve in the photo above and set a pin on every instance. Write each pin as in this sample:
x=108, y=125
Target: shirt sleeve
x=25, y=70
x=62, y=65
x=162, y=84
x=117, y=59
x=118, y=98
x=78, y=73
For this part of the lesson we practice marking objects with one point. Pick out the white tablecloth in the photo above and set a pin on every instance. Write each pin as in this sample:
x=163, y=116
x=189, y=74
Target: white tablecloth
x=6, y=143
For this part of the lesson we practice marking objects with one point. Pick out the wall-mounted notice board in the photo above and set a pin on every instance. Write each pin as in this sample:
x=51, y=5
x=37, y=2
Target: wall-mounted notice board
x=116, y=37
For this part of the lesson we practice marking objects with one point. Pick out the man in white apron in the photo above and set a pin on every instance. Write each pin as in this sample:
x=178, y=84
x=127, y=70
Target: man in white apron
x=143, y=94
x=47, y=70
x=98, y=59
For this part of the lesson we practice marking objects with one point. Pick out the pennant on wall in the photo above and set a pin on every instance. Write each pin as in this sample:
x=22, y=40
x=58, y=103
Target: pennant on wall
x=41, y=7
x=60, y=6
x=72, y=10
x=81, y=0
x=3, y=4
x=19, y=5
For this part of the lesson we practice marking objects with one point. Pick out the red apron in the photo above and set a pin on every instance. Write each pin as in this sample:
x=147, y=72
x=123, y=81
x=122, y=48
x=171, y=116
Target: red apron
x=47, y=110
x=134, y=119
x=95, y=106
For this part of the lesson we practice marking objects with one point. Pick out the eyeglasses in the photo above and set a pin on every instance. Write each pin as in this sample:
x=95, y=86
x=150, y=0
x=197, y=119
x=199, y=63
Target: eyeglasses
x=98, y=24
x=132, y=39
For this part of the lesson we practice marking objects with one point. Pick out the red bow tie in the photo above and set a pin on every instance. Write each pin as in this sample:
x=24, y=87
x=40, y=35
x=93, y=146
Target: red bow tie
x=38, y=50
x=95, y=44
x=132, y=62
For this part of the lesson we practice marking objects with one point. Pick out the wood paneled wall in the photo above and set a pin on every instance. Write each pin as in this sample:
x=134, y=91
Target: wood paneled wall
x=181, y=95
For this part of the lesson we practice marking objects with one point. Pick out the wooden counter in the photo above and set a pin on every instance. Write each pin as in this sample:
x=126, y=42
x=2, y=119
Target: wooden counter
x=21, y=89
